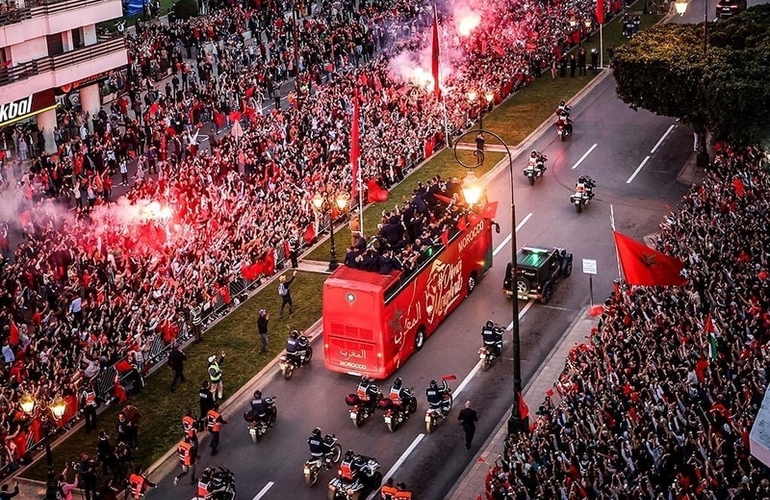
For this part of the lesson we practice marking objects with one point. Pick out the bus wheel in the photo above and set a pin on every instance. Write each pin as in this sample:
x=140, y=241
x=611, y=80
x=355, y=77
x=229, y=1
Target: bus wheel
x=419, y=338
x=471, y=282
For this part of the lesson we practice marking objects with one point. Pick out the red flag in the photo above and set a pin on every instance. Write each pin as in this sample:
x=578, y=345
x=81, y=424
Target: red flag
x=219, y=119
x=250, y=92
x=445, y=237
x=489, y=211
x=474, y=219
x=600, y=11
x=355, y=149
x=13, y=336
x=235, y=116
x=647, y=267
x=462, y=224
x=549, y=393
x=309, y=234
x=740, y=189
x=154, y=108
x=523, y=408
x=443, y=199
x=436, y=89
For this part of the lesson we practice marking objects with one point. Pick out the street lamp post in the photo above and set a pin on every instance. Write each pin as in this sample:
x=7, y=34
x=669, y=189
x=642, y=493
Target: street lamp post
x=57, y=406
x=323, y=202
x=472, y=191
x=488, y=97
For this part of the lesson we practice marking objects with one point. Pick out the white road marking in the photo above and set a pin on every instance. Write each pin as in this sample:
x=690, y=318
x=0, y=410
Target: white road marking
x=638, y=169
x=264, y=490
x=576, y=165
x=660, y=141
x=398, y=463
x=508, y=238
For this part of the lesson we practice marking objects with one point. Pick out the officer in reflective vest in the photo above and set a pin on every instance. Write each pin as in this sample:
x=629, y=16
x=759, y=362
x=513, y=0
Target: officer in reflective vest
x=203, y=484
x=139, y=483
x=88, y=404
x=214, y=422
x=190, y=428
x=187, y=459
x=215, y=375
x=401, y=493
x=388, y=491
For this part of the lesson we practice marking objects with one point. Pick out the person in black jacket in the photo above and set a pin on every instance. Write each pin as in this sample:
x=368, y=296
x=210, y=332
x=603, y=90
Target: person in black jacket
x=176, y=359
x=262, y=323
x=468, y=419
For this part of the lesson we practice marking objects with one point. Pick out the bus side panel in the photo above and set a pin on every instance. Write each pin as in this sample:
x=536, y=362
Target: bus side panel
x=352, y=330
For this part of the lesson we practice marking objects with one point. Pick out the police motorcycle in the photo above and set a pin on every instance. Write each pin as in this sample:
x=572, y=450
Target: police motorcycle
x=359, y=485
x=398, y=410
x=563, y=121
x=536, y=168
x=492, y=347
x=290, y=361
x=439, y=403
x=315, y=465
x=221, y=486
x=261, y=419
x=360, y=408
x=584, y=193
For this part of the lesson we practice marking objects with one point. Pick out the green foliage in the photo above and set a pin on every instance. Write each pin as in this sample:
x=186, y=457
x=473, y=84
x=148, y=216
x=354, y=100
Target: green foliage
x=185, y=9
x=664, y=70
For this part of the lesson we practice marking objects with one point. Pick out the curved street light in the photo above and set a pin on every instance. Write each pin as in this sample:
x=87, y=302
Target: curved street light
x=472, y=190
x=323, y=203
x=57, y=406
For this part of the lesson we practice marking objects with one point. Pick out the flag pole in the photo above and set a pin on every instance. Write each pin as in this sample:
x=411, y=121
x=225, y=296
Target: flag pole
x=360, y=200
x=601, y=46
x=617, y=255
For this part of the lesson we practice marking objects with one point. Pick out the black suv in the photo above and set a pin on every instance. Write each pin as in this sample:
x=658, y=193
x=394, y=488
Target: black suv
x=539, y=268
x=729, y=8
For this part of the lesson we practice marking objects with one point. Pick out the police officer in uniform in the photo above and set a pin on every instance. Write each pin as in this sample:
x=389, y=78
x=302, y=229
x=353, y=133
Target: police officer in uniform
x=318, y=447
x=203, y=485
x=206, y=400
x=214, y=423
x=437, y=396
x=215, y=375
x=493, y=337
x=188, y=457
x=139, y=483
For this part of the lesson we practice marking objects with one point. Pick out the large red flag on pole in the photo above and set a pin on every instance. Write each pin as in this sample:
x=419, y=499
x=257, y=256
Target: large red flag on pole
x=355, y=148
x=647, y=267
x=600, y=11
x=436, y=89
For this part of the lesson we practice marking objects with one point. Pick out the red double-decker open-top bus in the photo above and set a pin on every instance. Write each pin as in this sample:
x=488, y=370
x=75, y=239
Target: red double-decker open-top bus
x=372, y=323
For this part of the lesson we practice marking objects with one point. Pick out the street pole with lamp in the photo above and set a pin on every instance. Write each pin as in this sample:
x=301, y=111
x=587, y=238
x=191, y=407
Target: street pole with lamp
x=323, y=202
x=472, y=191
x=488, y=97
x=57, y=406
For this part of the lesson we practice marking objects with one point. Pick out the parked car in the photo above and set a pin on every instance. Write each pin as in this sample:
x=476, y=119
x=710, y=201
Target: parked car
x=538, y=271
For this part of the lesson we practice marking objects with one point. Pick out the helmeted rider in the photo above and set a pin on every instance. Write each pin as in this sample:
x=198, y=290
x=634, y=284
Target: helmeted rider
x=367, y=391
x=438, y=397
x=400, y=395
x=563, y=108
x=351, y=466
x=537, y=160
x=318, y=447
x=262, y=410
x=204, y=489
x=492, y=337
x=296, y=347
x=585, y=184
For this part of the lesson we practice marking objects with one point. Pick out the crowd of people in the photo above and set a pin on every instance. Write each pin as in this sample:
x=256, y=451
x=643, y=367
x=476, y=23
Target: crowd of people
x=93, y=286
x=660, y=403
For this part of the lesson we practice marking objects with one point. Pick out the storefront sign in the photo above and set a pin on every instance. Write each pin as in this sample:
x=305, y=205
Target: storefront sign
x=25, y=107
x=84, y=82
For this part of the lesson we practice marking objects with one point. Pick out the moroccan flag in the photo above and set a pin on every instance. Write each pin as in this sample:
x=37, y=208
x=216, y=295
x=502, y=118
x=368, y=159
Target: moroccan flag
x=445, y=237
x=219, y=119
x=489, y=211
x=600, y=11
x=13, y=336
x=154, y=108
x=711, y=335
x=647, y=267
x=523, y=408
x=309, y=234
x=740, y=189
x=434, y=60
x=355, y=148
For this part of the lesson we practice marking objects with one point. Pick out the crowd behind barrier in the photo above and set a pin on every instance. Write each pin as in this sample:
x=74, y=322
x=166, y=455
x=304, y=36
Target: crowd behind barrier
x=660, y=402
x=98, y=288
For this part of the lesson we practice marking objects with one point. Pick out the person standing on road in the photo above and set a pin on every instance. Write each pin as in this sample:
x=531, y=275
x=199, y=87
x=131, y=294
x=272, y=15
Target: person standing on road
x=215, y=375
x=468, y=419
x=262, y=323
x=206, y=400
x=176, y=359
x=285, y=292
x=214, y=423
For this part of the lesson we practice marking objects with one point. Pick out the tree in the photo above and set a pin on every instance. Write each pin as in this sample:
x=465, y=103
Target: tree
x=727, y=90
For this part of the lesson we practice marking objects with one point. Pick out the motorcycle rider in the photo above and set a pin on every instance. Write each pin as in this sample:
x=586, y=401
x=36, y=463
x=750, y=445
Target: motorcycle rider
x=296, y=347
x=493, y=337
x=367, y=391
x=262, y=410
x=537, y=161
x=438, y=397
x=565, y=121
x=563, y=108
x=203, y=485
x=401, y=396
x=351, y=466
x=318, y=447
x=585, y=185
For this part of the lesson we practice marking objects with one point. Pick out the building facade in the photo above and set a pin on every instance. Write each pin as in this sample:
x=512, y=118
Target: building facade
x=51, y=48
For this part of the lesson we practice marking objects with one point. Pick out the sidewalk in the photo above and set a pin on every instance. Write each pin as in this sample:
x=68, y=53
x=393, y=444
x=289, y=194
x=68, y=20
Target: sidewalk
x=471, y=483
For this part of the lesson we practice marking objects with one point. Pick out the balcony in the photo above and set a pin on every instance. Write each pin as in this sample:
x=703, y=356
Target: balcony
x=38, y=18
x=44, y=73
